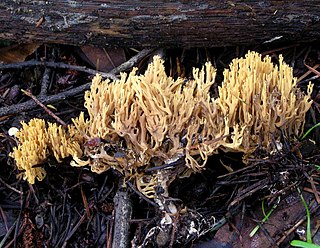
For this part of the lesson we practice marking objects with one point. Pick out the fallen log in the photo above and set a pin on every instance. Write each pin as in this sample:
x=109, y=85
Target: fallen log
x=159, y=23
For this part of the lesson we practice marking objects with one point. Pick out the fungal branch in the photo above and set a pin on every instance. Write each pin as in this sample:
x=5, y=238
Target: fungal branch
x=146, y=121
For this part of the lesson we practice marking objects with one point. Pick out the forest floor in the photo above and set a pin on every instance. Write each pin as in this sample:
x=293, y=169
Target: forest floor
x=219, y=206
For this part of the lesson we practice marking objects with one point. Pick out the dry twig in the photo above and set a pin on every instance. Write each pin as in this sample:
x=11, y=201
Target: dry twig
x=49, y=99
x=59, y=65
x=123, y=211
x=29, y=94
x=10, y=187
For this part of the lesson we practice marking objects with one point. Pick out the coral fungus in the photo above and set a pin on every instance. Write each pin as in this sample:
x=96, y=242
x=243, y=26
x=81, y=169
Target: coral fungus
x=37, y=142
x=262, y=99
x=147, y=121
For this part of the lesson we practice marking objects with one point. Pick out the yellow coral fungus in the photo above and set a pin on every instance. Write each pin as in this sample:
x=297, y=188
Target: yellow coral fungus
x=262, y=99
x=158, y=119
x=146, y=121
x=33, y=149
x=61, y=144
x=37, y=142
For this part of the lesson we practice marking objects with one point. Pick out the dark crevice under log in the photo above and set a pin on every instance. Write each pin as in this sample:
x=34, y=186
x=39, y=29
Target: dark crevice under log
x=159, y=23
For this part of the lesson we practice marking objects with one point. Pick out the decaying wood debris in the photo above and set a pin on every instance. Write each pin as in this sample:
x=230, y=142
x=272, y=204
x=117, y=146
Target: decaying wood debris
x=159, y=23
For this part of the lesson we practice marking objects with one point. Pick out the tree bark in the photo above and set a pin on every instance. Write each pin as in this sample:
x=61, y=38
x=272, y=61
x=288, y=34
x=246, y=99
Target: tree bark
x=156, y=23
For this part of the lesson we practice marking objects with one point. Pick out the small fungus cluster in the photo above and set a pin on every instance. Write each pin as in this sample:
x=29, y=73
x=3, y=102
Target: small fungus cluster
x=145, y=121
x=37, y=142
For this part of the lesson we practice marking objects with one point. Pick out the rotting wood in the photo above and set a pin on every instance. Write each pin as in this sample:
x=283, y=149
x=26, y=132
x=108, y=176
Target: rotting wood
x=159, y=23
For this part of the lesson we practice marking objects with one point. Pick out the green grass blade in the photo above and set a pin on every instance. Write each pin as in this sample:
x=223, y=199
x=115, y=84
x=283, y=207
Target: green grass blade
x=299, y=243
x=309, y=239
x=309, y=130
x=266, y=217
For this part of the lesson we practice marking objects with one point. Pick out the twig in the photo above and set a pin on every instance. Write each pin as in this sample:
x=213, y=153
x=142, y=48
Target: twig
x=59, y=65
x=74, y=229
x=85, y=203
x=61, y=238
x=33, y=192
x=180, y=161
x=4, y=218
x=10, y=187
x=132, y=62
x=109, y=234
x=264, y=230
x=16, y=231
x=308, y=79
x=314, y=207
x=45, y=108
x=240, y=225
x=97, y=228
x=312, y=69
x=142, y=195
x=307, y=73
x=103, y=187
x=314, y=188
x=174, y=230
x=3, y=241
x=279, y=49
x=238, y=171
x=123, y=211
x=28, y=105
x=45, y=82
x=249, y=191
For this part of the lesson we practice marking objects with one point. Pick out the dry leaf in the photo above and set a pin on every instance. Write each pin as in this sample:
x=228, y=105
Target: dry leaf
x=103, y=59
x=17, y=53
